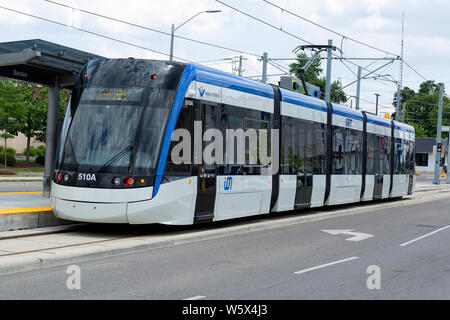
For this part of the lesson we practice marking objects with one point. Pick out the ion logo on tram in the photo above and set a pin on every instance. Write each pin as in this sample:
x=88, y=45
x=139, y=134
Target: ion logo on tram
x=228, y=184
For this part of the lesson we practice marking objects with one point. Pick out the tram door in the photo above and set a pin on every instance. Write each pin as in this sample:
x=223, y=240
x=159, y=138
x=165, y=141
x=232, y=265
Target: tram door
x=411, y=167
x=304, y=165
x=207, y=114
x=378, y=167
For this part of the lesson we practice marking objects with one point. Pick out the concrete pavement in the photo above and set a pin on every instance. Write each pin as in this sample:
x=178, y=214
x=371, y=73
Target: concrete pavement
x=263, y=264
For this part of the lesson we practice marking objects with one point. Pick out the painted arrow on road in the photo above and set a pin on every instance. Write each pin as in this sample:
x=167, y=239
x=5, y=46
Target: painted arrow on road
x=357, y=236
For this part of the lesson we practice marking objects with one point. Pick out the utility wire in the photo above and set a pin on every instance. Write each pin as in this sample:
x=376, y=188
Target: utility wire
x=330, y=30
x=264, y=22
x=344, y=36
x=415, y=70
x=288, y=33
x=153, y=30
x=90, y=32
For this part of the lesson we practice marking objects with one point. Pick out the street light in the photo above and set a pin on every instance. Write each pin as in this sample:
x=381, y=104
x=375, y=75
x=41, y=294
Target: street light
x=175, y=29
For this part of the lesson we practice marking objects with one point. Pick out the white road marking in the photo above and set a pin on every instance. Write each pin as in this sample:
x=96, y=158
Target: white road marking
x=325, y=265
x=196, y=298
x=424, y=236
x=357, y=236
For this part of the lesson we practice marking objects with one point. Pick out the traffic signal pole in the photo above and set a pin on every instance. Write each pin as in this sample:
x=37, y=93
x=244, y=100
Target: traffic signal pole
x=437, y=163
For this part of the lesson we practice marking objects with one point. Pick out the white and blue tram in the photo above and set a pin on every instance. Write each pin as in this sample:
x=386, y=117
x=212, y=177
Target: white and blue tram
x=113, y=162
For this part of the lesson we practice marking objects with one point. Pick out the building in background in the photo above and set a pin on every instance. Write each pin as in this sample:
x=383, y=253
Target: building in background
x=425, y=154
x=19, y=143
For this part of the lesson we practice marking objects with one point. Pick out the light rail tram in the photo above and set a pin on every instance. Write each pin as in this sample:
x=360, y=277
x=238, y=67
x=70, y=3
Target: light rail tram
x=113, y=162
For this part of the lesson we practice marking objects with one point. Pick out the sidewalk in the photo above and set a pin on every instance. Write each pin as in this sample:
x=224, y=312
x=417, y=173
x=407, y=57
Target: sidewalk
x=36, y=178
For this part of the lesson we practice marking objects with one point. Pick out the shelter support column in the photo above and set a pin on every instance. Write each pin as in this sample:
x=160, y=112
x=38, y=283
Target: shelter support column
x=51, y=138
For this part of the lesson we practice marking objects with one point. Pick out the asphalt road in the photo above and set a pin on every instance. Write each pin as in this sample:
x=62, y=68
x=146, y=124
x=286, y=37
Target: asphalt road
x=296, y=262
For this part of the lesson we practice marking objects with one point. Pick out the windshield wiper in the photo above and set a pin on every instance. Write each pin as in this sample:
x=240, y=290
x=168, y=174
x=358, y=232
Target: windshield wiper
x=117, y=157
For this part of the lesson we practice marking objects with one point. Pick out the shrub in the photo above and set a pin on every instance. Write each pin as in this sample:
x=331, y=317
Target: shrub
x=11, y=151
x=33, y=151
x=40, y=151
x=40, y=160
x=10, y=159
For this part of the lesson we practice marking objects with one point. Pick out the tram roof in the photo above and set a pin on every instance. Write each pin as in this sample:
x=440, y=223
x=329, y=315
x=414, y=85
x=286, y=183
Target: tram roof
x=347, y=112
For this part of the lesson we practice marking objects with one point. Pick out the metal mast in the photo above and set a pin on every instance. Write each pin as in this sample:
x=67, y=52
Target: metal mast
x=400, y=81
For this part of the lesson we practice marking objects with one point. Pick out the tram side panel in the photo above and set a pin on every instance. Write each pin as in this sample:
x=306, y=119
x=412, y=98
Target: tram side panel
x=346, y=174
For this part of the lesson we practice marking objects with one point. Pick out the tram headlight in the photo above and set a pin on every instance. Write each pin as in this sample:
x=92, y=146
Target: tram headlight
x=66, y=177
x=116, y=181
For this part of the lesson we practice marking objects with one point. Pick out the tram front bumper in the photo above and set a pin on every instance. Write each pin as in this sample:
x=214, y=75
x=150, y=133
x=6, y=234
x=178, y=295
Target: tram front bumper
x=90, y=211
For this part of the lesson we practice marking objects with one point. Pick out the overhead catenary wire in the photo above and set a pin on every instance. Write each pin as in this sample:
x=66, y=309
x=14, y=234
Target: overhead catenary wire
x=330, y=30
x=91, y=32
x=264, y=22
x=290, y=34
x=344, y=36
x=153, y=29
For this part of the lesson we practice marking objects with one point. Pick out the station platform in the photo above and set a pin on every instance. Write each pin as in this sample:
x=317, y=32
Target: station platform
x=22, y=206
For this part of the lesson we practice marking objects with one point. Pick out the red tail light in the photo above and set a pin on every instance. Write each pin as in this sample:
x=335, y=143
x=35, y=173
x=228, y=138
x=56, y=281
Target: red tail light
x=129, y=181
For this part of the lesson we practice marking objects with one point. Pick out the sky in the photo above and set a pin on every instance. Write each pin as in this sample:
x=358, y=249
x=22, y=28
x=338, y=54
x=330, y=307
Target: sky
x=374, y=22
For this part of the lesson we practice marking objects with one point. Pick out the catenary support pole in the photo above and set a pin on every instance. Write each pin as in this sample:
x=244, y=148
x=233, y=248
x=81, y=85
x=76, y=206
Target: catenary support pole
x=376, y=107
x=264, y=70
x=358, y=88
x=437, y=160
x=397, y=105
x=240, y=66
x=328, y=80
x=50, y=139
x=172, y=34
x=448, y=157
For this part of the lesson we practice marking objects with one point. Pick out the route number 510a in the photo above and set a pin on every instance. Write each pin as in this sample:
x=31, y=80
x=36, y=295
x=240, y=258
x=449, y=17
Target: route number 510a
x=87, y=177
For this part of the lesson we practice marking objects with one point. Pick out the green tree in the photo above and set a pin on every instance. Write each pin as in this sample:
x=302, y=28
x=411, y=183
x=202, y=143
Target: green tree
x=420, y=108
x=312, y=75
x=8, y=112
x=23, y=108
x=64, y=97
x=5, y=136
x=32, y=106
x=406, y=94
x=429, y=87
x=420, y=130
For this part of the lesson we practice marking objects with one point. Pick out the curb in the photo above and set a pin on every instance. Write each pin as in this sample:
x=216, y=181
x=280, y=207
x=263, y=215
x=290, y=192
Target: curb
x=109, y=248
x=29, y=220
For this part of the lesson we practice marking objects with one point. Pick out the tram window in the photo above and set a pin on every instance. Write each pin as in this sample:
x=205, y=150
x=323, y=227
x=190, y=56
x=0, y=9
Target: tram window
x=236, y=118
x=319, y=147
x=302, y=163
x=379, y=155
x=152, y=134
x=407, y=156
x=370, y=169
x=309, y=152
x=339, y=138
x=209, y=122
x=290, y=146
x=386, y=143
x=185, y=121
x=412, y=159
x=398, y=156
x=353, y=152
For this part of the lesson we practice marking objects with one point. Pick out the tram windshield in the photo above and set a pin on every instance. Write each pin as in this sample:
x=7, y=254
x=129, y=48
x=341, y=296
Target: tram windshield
x=115, y=130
